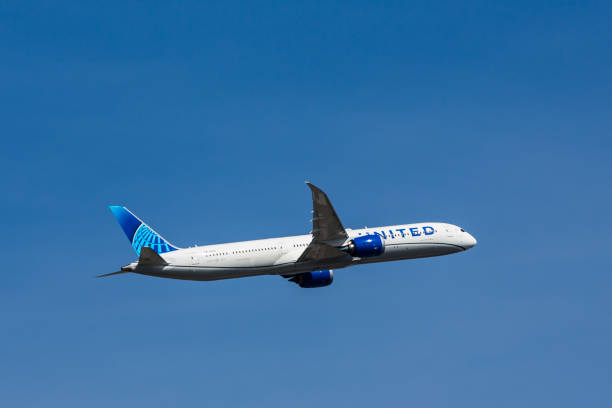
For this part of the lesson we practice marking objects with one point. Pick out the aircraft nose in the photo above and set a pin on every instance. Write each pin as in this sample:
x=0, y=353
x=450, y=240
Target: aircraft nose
x=471, y=241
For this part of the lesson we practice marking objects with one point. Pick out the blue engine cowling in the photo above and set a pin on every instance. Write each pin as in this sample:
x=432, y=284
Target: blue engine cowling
x=366, y=245
x=316, y=279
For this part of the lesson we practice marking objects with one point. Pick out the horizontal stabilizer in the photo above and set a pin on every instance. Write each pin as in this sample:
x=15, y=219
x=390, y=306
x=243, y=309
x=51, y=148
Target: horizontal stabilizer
x=149, y=257
x=111, y=274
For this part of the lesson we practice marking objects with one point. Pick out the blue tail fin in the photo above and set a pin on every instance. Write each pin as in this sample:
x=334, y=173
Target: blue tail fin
x=139, y=233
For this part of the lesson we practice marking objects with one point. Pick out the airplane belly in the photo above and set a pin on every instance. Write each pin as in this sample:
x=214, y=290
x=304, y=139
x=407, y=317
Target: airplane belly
x=426, y=249
x=413, y=250
x=210, y=273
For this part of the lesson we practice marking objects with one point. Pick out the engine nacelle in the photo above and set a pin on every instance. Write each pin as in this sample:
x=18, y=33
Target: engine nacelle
x=366, y=245
x=316, y=279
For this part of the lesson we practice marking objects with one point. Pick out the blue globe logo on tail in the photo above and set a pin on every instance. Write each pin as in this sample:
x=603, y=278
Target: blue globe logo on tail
x=145, y=237
x=139, y=233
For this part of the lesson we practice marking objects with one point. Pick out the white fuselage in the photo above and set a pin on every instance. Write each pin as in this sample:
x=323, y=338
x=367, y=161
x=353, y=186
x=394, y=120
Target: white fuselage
x=279, y=256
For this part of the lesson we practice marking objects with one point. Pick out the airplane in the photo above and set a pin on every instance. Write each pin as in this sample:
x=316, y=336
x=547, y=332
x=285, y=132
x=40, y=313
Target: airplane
x=307, y=260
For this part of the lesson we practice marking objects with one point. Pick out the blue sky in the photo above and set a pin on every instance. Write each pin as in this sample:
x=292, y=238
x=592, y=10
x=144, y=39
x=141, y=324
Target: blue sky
x=206, y=118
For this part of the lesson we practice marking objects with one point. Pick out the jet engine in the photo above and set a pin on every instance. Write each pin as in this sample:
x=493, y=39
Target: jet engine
x=316, y=279
x=365, y=246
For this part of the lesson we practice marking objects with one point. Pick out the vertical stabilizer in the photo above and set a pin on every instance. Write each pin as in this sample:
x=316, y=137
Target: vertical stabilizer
x=138, y=233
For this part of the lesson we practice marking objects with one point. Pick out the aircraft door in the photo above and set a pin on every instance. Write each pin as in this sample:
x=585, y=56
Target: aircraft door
x=194, y=259
x=450, y=231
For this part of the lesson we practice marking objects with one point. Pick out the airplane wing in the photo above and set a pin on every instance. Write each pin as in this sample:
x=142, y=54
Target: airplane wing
x=320, y=251
x=326, y=226
x=327, y=229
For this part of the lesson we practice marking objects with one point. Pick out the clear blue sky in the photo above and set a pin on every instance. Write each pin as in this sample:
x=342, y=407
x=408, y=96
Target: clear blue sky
x=206, y=118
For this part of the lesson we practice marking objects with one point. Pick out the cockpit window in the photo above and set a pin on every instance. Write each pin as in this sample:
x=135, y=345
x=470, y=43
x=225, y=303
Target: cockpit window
x=462, y=230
